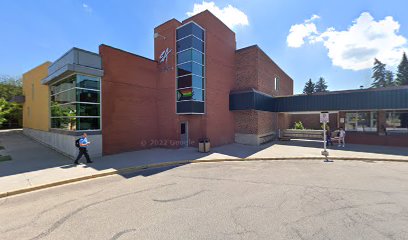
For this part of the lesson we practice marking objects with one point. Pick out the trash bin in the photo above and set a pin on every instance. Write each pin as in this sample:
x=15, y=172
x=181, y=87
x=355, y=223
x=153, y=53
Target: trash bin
x=207, y=145
x=204, y=145
x=201, y=145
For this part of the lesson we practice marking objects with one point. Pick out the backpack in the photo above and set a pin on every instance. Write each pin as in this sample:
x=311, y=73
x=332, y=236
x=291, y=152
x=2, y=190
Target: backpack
x=77, y=143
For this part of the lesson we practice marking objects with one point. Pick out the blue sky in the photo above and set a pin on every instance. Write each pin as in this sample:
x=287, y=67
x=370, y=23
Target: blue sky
x=333, y=39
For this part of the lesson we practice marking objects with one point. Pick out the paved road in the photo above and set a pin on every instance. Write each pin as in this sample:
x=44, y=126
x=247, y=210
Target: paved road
x=231, y=200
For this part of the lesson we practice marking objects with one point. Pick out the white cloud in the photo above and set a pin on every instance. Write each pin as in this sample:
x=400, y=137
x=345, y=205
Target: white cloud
x=314, y=17
x=230, y=15
x=366, y=39
x=299, y=32
x=87, y=8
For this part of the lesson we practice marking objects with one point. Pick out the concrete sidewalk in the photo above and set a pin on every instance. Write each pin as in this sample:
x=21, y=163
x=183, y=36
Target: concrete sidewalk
x=35, y=166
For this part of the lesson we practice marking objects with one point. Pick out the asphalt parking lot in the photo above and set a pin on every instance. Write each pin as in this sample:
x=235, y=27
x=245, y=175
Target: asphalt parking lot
x=229, y=200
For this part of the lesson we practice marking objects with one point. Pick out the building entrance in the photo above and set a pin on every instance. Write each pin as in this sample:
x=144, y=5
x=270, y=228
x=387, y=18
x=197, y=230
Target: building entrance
x=184, y=134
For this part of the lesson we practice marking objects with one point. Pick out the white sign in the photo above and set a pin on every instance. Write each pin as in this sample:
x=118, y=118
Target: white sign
x=164, y=55
x=324, y=117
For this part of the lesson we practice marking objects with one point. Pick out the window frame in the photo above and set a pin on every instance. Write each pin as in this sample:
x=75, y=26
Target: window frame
x=277, y=83
x=395, y=130
x=76, y=74
x=203, y=89
x=371, y=128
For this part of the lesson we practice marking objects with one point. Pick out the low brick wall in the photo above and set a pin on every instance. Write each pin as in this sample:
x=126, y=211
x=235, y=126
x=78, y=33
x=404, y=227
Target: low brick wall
x=375, y=139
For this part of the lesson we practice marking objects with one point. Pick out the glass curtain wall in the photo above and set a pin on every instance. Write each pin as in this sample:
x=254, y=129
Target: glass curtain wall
x=361, y=121
x=190, y=60
x=75, y=103
x=396, y=121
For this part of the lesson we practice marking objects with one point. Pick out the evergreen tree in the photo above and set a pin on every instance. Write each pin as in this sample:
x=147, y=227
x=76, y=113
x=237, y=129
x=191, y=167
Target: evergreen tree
x=309, y=87
x=402, y=73
x=321, y=85
x=378, y=74
x=389, y=78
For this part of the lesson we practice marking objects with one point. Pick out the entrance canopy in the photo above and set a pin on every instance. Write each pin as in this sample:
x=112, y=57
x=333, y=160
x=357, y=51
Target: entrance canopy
x=349, y=100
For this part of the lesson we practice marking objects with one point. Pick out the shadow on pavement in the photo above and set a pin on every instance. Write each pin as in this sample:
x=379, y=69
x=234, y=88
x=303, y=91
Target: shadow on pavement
x=29, y=155
x=150, y=172
x=399, y=151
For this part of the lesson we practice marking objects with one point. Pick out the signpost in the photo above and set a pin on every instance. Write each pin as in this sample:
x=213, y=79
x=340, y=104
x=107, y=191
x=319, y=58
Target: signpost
x=324, y=118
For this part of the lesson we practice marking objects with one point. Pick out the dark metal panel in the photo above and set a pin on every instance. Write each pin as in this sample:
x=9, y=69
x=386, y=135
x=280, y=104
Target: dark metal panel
x=242, y=101
x=396, y=98
x=75, y=60
x=262, y=102
x=381, y=99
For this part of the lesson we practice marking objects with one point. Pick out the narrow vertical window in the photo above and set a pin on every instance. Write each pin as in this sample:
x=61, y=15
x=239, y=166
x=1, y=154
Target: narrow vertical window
x=277, y=83
x=190, y=80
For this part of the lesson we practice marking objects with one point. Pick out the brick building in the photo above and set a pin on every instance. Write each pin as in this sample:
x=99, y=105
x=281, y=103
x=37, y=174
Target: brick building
x=199, y=85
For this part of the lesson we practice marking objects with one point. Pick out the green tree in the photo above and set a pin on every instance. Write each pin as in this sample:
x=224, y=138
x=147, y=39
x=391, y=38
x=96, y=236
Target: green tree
x=4, y=111
x=15, y=115
x=389, y=78
x=309, y=87
x=10, y=87
x=11, y=114
x=378, y=74
x=402, y=72
x=321, y=85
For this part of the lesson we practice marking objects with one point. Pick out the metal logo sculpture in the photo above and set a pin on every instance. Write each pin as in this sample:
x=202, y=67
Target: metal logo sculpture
x=164, y=55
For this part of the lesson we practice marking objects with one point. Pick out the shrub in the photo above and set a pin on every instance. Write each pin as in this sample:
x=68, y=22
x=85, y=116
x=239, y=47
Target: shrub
x=299, y=125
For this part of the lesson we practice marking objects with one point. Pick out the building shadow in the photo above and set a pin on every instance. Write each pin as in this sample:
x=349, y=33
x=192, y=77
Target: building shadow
x=375, y=149
x=29, y=155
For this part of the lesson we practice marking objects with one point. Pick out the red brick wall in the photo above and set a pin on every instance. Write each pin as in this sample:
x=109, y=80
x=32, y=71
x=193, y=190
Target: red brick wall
x=246, y=72
x=219, y=72
x=267, y=122
x=246, y=121
x=168, y=121
x=255, y=122
x=129, y=107
x=220, y=77
x=267, y=71
x=283, y=121
x=254, y=69
x=375, y=139
x=312, y=121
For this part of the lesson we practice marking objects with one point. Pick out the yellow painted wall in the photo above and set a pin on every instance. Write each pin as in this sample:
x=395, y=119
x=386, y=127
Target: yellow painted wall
x=36, y=106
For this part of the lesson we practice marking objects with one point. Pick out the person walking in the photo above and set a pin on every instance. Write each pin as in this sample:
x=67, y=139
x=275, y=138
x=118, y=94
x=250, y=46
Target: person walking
x=342, y=137
x=328, y=137
x=83, y=144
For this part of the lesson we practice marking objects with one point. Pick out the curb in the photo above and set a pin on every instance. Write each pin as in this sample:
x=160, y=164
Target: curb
x=175, y=163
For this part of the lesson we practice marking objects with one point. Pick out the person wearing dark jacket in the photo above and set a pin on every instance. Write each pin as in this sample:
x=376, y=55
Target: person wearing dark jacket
x=83, y=144
x=328, y=137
